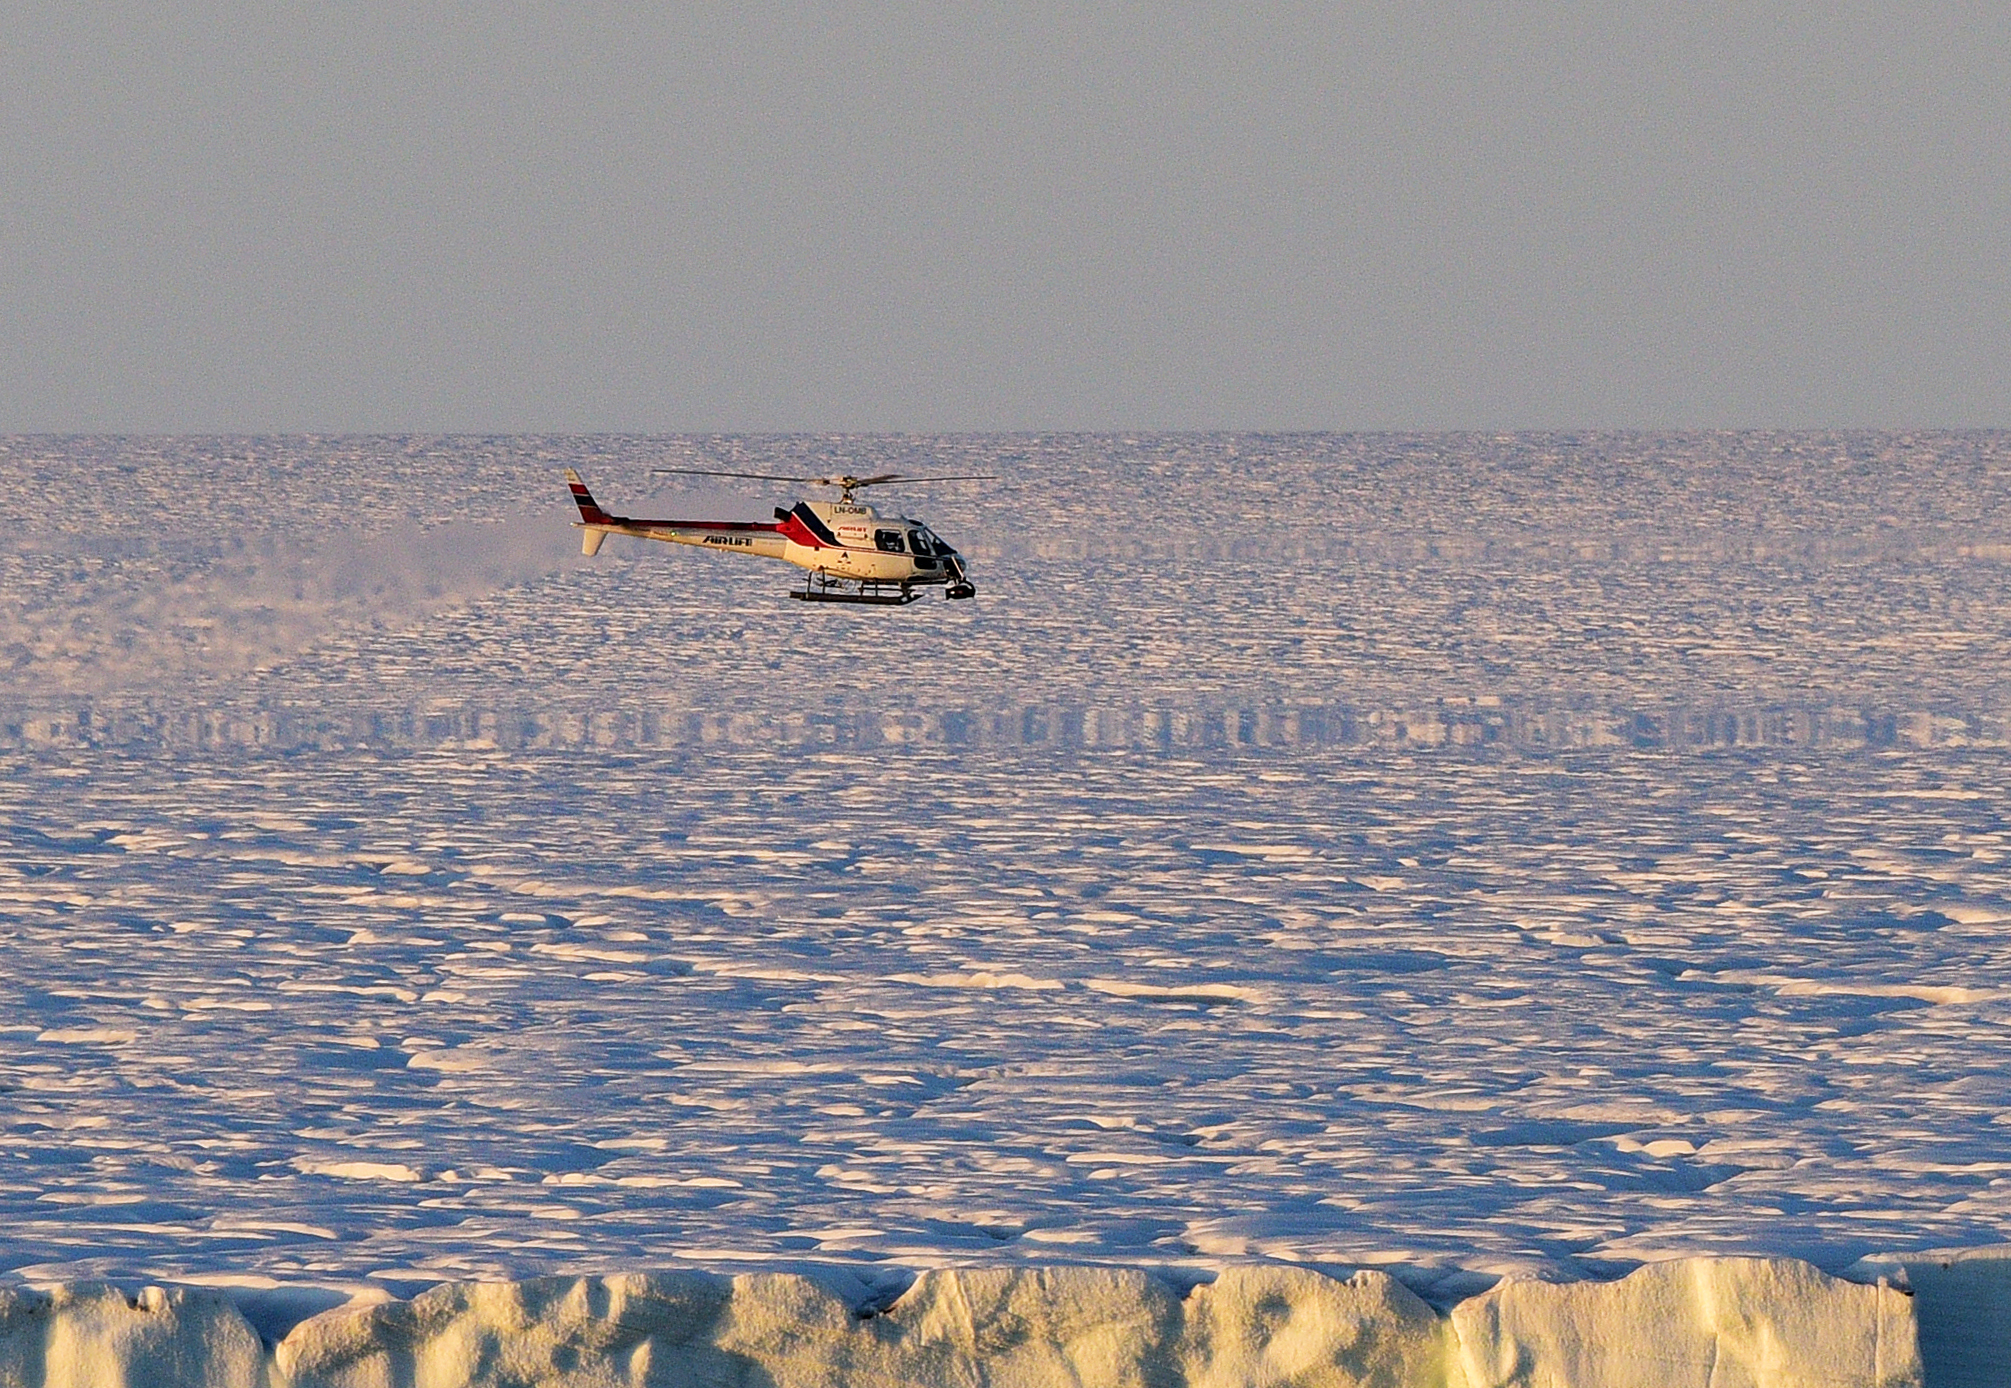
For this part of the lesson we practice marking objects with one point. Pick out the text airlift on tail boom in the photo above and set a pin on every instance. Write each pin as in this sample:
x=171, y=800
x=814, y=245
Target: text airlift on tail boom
x=850, y=552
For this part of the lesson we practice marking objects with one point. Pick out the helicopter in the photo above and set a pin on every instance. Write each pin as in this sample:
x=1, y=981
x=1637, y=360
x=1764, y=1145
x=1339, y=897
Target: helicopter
x=849, y=551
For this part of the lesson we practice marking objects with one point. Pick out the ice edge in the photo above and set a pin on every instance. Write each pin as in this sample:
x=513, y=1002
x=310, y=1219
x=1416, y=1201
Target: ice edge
x=1698, y=1321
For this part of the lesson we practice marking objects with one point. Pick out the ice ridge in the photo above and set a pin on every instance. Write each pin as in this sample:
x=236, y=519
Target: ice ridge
x=1691, y=1323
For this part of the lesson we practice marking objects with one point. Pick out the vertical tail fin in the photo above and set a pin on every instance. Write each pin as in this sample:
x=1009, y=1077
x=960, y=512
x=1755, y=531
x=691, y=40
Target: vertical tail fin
x=591, y=515
x=590, y=510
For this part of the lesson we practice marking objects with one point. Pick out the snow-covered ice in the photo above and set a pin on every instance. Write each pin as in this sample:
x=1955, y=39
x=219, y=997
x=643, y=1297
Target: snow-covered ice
x=1699, y=1323
x=1462, y=857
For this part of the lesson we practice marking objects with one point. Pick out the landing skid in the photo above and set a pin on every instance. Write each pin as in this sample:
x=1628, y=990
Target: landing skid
x=824, y=588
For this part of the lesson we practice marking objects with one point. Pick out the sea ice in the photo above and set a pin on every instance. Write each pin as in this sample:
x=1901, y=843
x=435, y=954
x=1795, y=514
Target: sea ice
x=1463, y=857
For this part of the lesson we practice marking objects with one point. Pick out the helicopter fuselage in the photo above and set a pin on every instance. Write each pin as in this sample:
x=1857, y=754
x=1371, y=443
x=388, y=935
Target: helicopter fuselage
x=839, y=540
x=846, y=540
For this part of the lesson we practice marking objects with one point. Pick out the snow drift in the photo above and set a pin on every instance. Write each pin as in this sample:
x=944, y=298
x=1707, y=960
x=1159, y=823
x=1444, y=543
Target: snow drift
x=1712, y=1323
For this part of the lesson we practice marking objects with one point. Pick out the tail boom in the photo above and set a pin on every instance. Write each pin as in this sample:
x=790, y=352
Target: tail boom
x=595, y=525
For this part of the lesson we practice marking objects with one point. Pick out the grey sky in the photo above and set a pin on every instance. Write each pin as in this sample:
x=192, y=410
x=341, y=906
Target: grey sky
x=1036, y=215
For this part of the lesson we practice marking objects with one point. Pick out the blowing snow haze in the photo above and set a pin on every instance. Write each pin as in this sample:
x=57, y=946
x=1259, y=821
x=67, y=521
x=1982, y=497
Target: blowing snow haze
x=707, y=216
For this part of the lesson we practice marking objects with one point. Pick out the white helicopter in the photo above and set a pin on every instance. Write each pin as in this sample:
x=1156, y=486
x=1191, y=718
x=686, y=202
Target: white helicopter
x=850, y=551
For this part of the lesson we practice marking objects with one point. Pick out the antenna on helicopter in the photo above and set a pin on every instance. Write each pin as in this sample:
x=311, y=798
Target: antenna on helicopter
x=846, y=484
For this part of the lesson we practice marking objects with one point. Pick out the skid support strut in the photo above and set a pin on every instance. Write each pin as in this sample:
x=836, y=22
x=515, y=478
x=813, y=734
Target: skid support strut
x=822, y=587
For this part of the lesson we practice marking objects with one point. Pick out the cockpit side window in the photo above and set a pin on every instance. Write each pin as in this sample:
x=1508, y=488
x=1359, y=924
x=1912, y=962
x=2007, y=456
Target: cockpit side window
x=889, y=541
x=923, y=542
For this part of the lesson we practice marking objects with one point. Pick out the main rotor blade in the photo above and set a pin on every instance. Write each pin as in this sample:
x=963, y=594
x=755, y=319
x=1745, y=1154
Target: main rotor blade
x=885, y=479
x=715, y=472
x=894, y=479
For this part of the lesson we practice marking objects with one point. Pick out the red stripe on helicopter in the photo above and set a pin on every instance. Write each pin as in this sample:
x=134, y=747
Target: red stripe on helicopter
x=806, y=527
x=699, y=525
x=796, y=532
x=710, y=525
